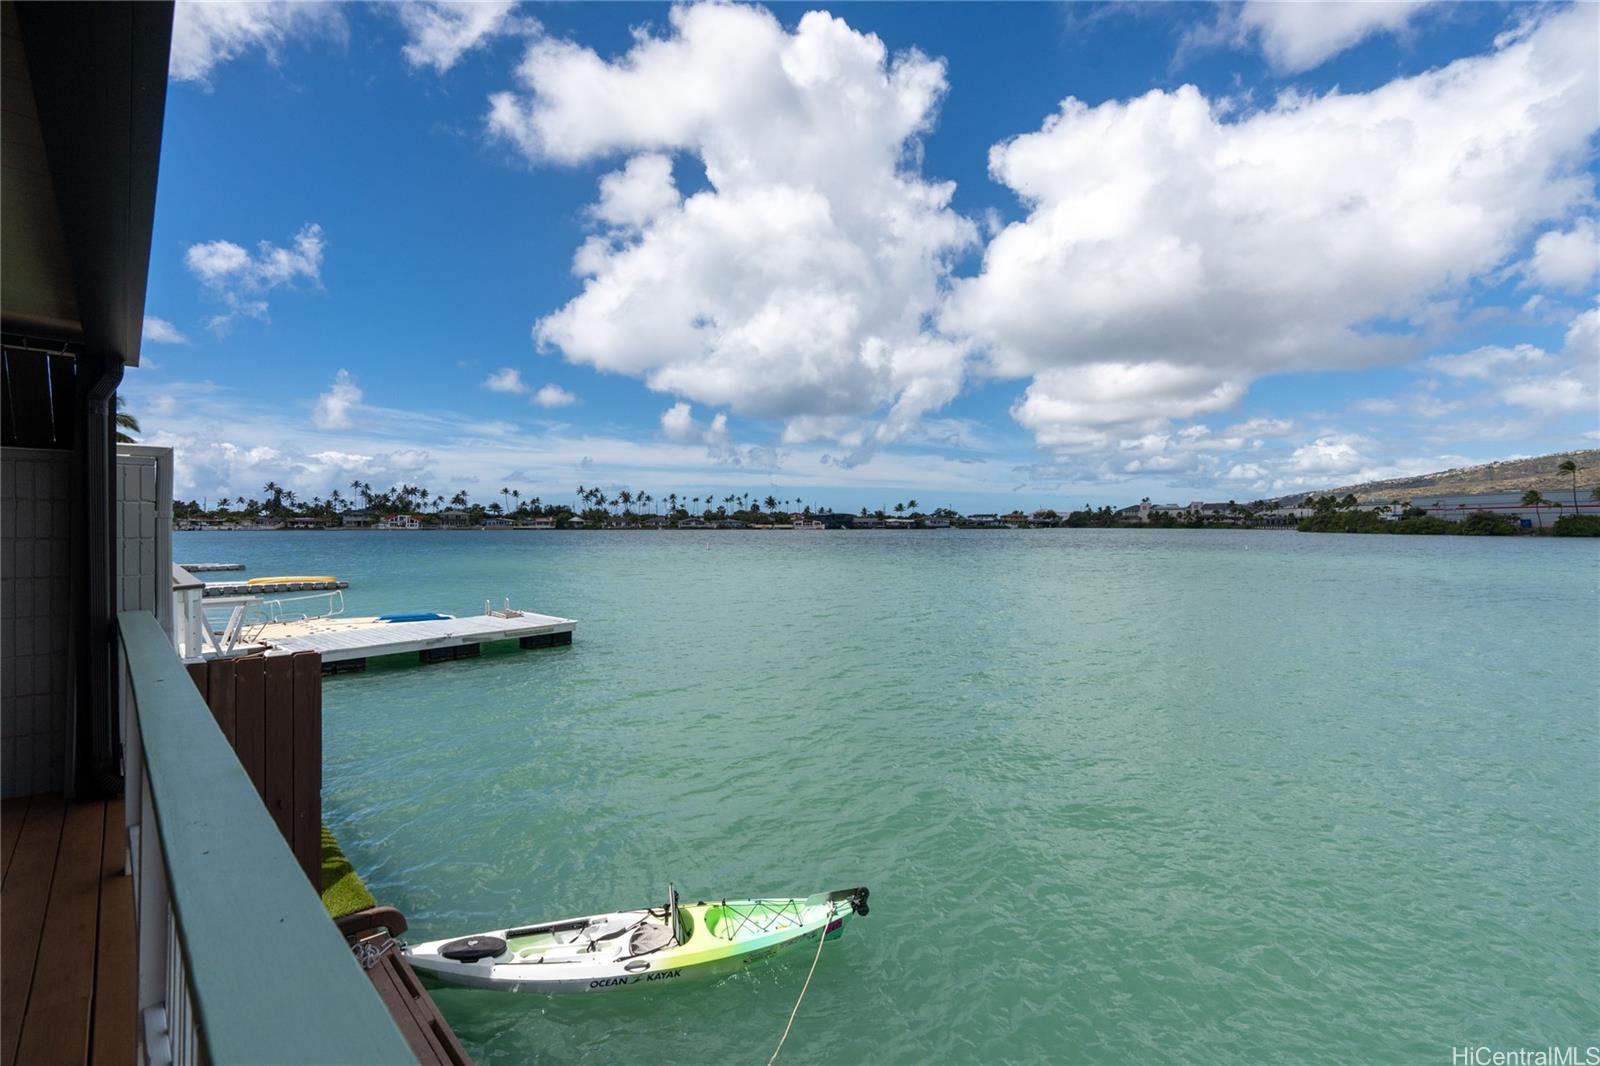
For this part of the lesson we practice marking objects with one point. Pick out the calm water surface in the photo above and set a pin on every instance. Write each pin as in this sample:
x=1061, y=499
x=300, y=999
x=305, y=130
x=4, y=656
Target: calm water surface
x=1200, y=796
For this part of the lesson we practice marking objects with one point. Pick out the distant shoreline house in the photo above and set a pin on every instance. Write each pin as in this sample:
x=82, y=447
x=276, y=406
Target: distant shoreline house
x=356, y=520
x=400, y=521
x=455, y=519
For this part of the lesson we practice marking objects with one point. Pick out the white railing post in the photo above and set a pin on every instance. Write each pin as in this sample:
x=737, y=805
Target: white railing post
x=153, y=914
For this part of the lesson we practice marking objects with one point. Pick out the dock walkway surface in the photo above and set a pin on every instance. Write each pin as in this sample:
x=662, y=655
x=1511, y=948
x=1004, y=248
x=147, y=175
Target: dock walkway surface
x=208, y=568
x=343, y=639
x=68, y=980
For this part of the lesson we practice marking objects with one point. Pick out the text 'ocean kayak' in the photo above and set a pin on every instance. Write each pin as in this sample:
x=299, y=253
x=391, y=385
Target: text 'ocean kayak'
x=627, y=949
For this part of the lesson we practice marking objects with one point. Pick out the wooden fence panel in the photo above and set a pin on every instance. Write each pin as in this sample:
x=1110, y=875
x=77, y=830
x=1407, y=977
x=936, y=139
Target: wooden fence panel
x=249, y=718
x=270, y=711
x=278, y=755
x=197, y=674
x=220, y=694
x=307, y=789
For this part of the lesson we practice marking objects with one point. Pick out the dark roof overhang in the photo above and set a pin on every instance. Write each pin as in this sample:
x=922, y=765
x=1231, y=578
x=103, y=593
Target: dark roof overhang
x=83, y=99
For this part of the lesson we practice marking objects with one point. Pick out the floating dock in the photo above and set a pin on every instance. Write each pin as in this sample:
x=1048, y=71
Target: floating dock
x=347, y=643
x=208, y=568
x=263, y=588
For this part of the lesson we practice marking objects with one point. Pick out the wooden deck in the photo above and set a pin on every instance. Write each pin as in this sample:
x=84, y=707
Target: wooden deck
x=68, y=981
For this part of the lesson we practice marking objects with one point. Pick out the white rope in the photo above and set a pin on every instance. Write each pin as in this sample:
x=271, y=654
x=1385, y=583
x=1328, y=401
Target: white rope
x=820, y=941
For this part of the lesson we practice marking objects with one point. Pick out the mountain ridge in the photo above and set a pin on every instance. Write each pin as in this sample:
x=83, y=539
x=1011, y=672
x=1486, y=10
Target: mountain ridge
x=1502, y=475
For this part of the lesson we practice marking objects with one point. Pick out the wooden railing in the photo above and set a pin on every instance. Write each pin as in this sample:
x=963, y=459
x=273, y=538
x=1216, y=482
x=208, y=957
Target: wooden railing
x=238, y=962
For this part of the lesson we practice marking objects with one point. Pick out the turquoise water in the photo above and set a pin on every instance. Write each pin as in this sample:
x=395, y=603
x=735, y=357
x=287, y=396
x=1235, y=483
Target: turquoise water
x=1199, y=796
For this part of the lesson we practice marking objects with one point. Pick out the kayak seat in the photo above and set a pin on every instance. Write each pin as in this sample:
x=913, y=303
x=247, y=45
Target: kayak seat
x=649, y=937
x=473, y=948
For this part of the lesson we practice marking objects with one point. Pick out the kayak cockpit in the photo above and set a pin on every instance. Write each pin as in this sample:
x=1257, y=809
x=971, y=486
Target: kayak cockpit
x=623, y=935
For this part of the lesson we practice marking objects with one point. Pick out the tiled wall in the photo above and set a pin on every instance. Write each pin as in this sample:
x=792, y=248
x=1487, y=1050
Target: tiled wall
x=35, y=596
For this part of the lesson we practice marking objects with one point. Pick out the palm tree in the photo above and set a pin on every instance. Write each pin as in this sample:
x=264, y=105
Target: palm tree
x=1533, y=498
x=1567, y=466
x=124, y=421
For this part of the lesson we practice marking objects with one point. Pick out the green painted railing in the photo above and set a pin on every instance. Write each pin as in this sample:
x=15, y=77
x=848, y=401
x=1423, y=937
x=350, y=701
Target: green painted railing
x=238, y=962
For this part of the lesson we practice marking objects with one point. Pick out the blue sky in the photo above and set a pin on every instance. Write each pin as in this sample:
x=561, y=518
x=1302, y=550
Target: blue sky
x=985, y=255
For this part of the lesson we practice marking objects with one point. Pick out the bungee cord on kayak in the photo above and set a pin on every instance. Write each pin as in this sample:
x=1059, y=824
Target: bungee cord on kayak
x=823, y=939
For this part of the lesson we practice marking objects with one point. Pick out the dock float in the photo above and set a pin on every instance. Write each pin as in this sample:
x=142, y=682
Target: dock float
x=259, y=587
x=346, y=644
x=208, y=568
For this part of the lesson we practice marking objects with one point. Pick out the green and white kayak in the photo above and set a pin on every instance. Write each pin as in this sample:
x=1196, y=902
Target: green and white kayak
x=632, y=949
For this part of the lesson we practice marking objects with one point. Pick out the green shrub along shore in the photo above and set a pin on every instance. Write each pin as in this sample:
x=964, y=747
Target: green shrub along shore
x=1478, y=524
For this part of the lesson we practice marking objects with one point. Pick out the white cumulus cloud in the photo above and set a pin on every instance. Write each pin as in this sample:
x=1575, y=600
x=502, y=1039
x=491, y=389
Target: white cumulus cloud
x=1567, y=259
x=679, y=426
x=1487, y=361
x=207, y=33
x=1073, y=407
x=1299, y=36
x=1551, y=395
x=162, y=332
x=800, y=284
x=553, y=396
x=334, y=407
x=638, y=193
x=506, y=379
x=440, y=33
x=240, y=278
x=1174, y=251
